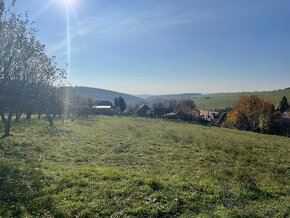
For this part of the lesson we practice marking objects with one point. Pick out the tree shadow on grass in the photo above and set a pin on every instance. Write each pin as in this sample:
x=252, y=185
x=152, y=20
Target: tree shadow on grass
x=20, y=190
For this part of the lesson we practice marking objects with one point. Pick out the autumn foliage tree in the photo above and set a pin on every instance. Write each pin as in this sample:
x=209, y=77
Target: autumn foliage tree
x=252, y=113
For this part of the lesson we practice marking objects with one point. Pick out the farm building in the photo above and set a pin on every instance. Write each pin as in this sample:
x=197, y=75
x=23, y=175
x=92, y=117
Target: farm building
x=286, y=122
x=103, y=107
x=171, y=115
x=208, y=115
x=179, y=115
x=161, y=111
x=286, y=118
x=219, y=118
x=212, y=117
x=144, y=111
x=183, y=115
x=286, y=114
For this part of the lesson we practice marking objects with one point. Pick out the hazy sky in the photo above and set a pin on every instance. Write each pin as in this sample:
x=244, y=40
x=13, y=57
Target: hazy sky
x=169, y=46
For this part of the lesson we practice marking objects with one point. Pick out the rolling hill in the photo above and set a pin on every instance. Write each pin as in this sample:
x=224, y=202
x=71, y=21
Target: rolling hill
x=172, y=96
x=107, y=95
x=203, y=101
x=224, y=100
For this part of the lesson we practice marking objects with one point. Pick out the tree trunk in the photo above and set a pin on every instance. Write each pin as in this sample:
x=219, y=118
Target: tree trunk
x=28, y=116
x=3, y=118
x=39, y=116
x=50, y=119
x=18, y=115
x=7, y=123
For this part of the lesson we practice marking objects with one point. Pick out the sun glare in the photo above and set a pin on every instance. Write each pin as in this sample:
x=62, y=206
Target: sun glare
x=69, y=2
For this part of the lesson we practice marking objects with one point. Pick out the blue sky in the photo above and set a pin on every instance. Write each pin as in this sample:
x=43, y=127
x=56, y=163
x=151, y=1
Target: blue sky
x=169, y=46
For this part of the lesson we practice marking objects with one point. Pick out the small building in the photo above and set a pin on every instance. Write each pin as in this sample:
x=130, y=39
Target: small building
x=212, y=117
x=286, y=118
x=171, y=115
x=208, y=115
x=103, y=107
x=161, y=111
x=179, y=115
x=286, y=122
x=219, y=119
x=286, y=114
x=144, y=111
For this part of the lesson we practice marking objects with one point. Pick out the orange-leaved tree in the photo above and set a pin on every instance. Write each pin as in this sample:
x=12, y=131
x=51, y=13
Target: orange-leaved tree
x=252, y=113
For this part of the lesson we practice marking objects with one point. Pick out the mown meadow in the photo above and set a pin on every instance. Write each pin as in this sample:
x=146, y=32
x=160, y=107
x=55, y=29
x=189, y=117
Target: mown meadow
x=135, y=167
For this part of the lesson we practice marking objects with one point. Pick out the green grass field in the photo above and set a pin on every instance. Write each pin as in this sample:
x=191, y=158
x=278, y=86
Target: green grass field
x=224, y=100
x=134, y=167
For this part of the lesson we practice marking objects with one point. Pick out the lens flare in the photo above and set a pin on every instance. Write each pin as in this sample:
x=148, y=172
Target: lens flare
x=68, y=37
x=68, y=52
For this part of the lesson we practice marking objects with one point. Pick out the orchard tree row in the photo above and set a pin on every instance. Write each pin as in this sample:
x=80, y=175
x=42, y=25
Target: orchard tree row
x=30, y=81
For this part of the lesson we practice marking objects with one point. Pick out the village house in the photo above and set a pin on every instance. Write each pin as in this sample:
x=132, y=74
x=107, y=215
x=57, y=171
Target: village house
x=161, y=111
x=207, y=115
x=212, y=117
x=286, y=118
x=144, y=111
x=182, y=115
x=103, y=107
x=286, y=122
x=286, y=115
x=219, y=119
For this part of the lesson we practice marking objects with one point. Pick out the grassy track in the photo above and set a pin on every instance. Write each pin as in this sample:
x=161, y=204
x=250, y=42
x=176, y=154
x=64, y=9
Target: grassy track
x=224, y=100
x=134, y=167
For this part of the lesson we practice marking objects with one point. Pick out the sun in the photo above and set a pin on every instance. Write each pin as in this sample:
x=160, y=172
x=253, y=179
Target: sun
x=69, y=2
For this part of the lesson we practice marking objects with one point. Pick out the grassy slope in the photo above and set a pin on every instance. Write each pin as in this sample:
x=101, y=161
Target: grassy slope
x=223, y=100
x=137, y=167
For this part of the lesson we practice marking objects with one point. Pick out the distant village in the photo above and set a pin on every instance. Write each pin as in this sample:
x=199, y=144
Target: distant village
x=182, y=113
x=183, y=110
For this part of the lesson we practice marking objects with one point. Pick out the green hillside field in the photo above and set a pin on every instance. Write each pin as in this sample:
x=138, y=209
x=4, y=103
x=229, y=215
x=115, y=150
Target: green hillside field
x=135, y=167
x=224, y=100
